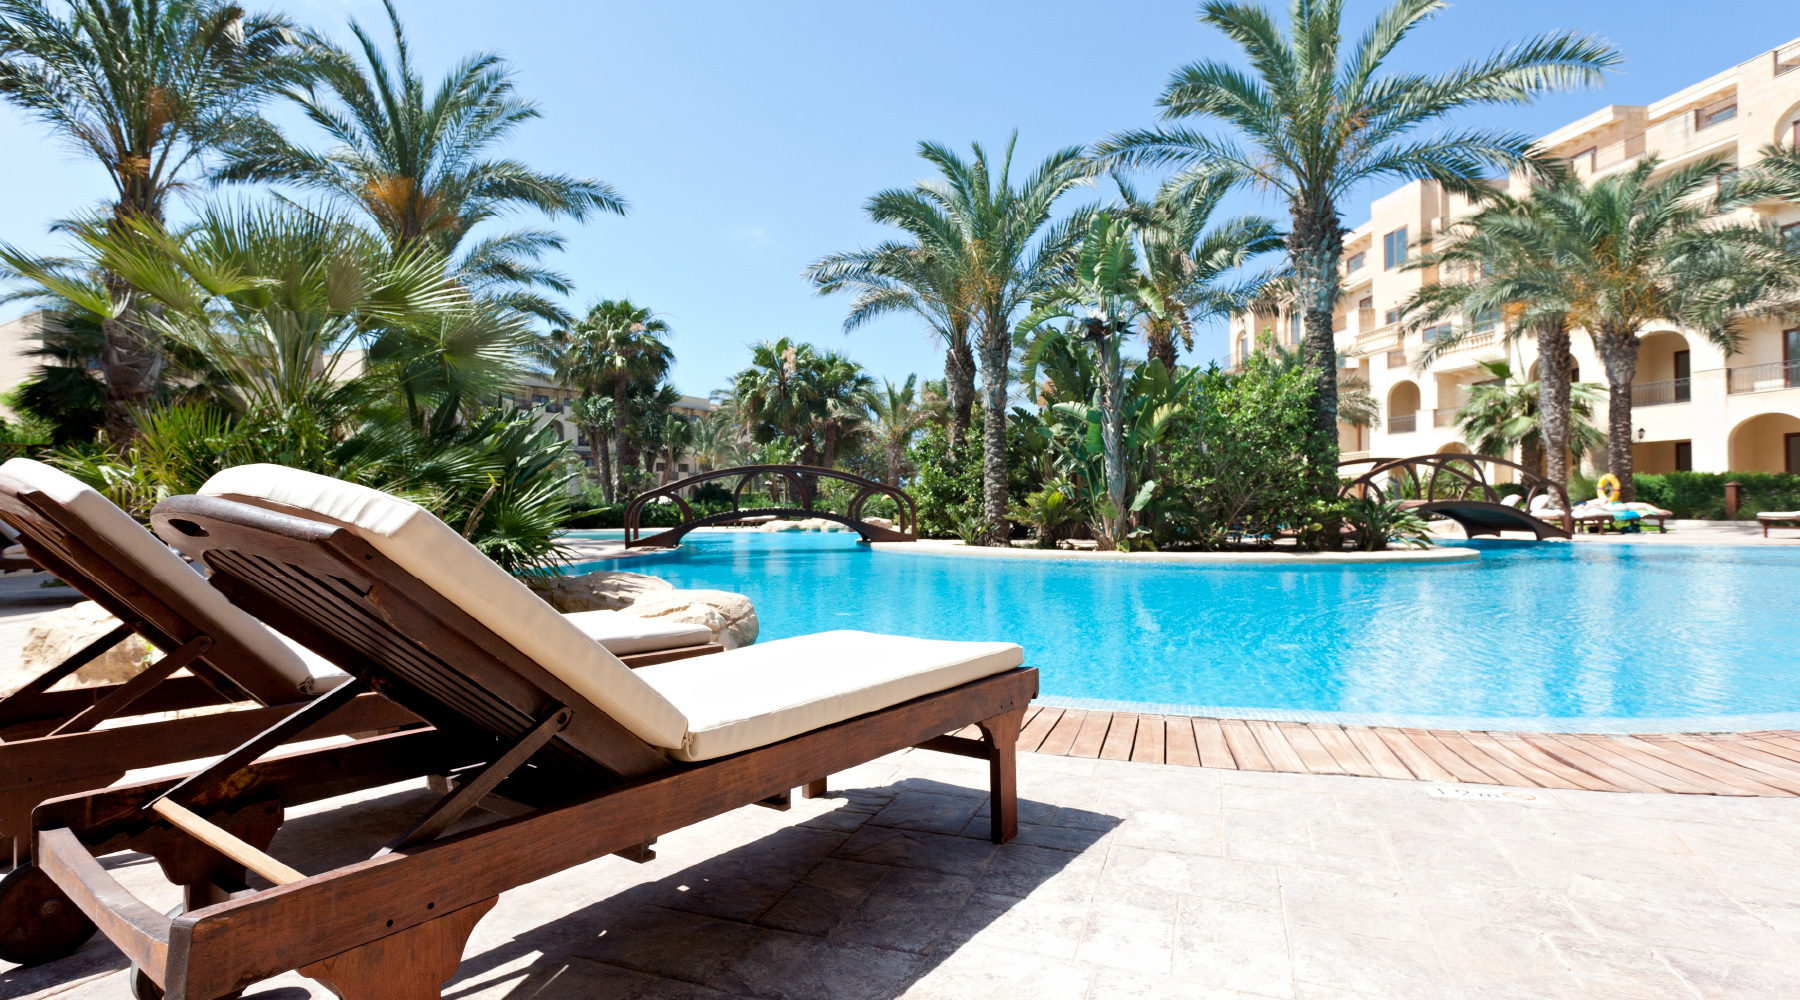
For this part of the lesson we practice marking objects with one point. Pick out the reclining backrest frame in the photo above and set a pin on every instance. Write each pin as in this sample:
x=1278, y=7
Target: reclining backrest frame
x=336, y=593
x=87, y=561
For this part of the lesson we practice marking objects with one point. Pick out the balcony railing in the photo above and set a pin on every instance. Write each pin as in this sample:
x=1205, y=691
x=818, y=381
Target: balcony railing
x=1403, y=423
x=1675, y=390
x=1444, y=416
x=1763, y=378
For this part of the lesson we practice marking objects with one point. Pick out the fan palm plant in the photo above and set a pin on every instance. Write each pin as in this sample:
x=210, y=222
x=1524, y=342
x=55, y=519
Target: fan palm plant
x=1507, y=412
x=718, y=441
x=1316, y=118
x=1185, y=262
x=777, y=394
x=899, y=413
x=416, y=161
x=905, y=277
x=999, y=243
x=144, y=87
x=839, y=385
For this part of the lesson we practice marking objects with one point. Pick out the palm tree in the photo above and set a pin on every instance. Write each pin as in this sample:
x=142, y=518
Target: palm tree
x=1633, y=248
x=1105, y=294
x=674, y=436
x=614, y=350
x=1315, y=120
x=416, y=162
x=1185, y=262
x=998, y=242
x=144, y=87
x=899, y=414
x=718, y=440
x=777, y=394
x=838, y=386
x=1507, y=412
x=905, y=277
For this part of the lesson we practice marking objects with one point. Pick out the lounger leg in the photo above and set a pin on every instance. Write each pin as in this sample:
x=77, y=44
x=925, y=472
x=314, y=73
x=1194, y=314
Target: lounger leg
x=1002, y=735
x=814, y=789
x=411, y=965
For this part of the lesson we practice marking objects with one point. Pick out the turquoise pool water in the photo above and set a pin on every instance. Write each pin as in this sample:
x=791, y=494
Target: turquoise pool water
x=1598, y=637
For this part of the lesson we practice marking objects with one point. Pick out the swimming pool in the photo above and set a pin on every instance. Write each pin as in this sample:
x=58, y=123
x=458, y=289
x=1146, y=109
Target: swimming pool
x=1628, y=638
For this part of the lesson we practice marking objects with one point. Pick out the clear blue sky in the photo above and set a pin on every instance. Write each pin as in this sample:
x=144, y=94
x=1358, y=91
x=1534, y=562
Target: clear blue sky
x=747, y=136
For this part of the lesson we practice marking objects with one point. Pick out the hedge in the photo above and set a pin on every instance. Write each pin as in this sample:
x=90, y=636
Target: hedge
x=1702, y=494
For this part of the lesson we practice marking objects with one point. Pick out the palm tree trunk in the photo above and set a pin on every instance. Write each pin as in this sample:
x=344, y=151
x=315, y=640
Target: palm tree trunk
x=1553, y=401
x=1161, y=337
x=132, y=363
x=1112, y=438
x=1618, y=352
x=830, y=446
x=996, y=362
x=959, y=385
x=603, y=453
x=896, y=455
x=1314, y=247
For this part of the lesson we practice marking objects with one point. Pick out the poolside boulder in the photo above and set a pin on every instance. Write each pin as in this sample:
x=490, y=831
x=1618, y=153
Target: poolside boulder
x=604, y=591
x=731, y=617
x=53, y=637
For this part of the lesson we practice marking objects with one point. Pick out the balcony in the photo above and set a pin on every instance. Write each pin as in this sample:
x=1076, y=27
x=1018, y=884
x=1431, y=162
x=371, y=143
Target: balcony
x=1763, y=378
x=1403, y=423
x=1444, y=416
x=1675, y=390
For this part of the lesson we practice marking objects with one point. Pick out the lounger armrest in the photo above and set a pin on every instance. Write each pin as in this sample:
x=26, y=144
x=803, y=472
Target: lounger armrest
x=138, y=931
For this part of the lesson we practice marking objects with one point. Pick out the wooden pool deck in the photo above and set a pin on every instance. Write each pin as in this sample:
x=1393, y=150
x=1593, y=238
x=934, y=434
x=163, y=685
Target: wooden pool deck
x=1758, y=763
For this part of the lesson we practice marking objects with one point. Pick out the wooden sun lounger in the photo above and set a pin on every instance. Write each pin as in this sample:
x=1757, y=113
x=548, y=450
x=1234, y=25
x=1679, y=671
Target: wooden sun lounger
x=51, y=745
x=1770, y=518
x=394, y=926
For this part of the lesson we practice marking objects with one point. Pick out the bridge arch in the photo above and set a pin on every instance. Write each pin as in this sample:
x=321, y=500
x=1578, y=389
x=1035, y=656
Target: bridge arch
x=1455, y=485
x=801, y=485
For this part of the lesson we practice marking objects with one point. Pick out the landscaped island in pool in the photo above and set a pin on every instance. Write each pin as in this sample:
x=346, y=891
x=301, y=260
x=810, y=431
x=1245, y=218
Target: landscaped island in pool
x=1532, y=635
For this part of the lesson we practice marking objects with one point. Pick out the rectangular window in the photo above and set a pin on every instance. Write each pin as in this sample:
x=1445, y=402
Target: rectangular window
x=1715, y=113
x=1484, y=321
x=1243, y=349
x=1432, y=333
x=1790, y=236
x=539, y=399
x=1294, y=328
x=1790, y=356
x=1793, y=452
x=1584, y=158
x=1684, y=369
x=1354, y=264
x=1393, y=249
x=1684, y=456
x=1393, y=315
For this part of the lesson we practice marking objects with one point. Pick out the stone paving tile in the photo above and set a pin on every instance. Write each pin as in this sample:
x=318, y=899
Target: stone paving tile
x=1128, y=881
x=1233, y=946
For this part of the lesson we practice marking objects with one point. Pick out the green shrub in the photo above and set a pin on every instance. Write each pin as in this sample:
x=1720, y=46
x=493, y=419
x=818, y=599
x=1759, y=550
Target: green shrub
x=1702, y=494
x=947, y=489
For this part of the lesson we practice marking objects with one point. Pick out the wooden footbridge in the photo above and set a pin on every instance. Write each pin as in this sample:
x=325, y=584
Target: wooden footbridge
x=795, y=492
x=1455, y=485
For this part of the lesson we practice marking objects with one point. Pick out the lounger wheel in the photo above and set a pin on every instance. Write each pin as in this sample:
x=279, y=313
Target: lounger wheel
x=38, y=923
x=145, y=988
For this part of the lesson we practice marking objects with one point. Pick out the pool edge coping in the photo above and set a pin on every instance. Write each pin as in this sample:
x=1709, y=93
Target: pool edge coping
x=1434, y=555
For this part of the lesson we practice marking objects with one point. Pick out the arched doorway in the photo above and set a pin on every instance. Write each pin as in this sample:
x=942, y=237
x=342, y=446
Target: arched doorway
x=1769, y=442
x=1403, y=408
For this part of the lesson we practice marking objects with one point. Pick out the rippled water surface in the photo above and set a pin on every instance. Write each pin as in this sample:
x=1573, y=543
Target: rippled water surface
x=1532, y=631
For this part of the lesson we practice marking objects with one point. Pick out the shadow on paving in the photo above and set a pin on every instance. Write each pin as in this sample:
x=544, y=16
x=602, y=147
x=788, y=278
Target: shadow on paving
x=857, y=902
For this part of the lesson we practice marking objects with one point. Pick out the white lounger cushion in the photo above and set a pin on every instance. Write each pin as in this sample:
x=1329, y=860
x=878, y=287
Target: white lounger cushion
x=1779, y=515
x=750, y=697
x=151, y=558
x=433, y=552
x=624, y=634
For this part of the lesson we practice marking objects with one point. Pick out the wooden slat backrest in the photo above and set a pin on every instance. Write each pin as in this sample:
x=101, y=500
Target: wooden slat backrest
x=66, y=546
x=333, y=591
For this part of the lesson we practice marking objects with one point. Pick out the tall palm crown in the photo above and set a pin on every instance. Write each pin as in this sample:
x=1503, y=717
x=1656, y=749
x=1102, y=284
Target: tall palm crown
x=839, y=385
x=1186, y=263
x=776, y=395
x=1315, y=118
x=145, y=87
x=999, y=244
x=416, y=161
x=897, y=277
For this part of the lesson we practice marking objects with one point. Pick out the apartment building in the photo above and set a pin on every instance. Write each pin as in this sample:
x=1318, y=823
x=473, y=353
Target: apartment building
x=19, y=336
x=1693, y=406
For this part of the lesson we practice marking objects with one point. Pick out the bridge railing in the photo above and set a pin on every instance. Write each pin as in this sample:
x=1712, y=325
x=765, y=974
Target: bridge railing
x=799, y=483
x=1449, y=476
